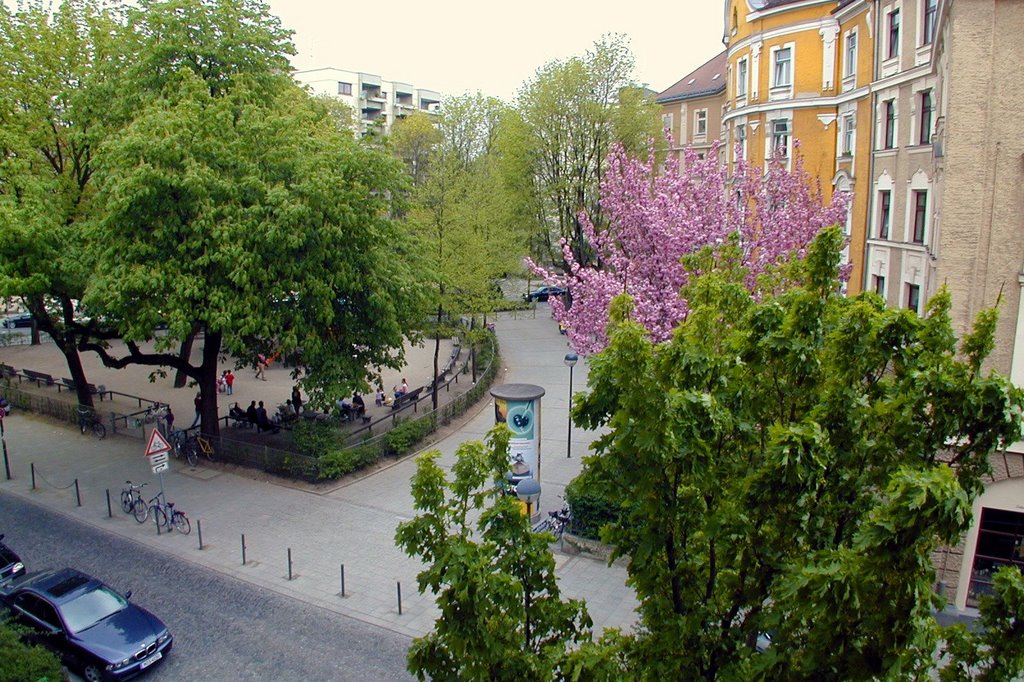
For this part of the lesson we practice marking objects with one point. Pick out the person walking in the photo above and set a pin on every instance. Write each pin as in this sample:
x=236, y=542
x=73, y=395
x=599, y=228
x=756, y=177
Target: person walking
x=261, y=366
x=199, y=409
x=296, y=399
x=229, y=380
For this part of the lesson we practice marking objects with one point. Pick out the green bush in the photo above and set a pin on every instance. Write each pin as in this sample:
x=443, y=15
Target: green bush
x=408, y=433
x=590, y=511
x=21, y=662
x=315, y=438
x=338, y=463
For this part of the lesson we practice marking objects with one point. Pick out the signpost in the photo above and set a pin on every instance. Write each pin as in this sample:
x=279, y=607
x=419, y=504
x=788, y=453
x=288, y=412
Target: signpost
x=156, y=452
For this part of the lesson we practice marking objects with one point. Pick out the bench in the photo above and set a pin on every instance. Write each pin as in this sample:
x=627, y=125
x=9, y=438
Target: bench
x=39, y=377
x=406, y=398
x=7, y=371
x=92, y=388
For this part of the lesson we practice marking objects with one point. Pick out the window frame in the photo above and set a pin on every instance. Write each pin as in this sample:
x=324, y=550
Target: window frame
x=700, y=123
x=742, y=76
x=787, y=136
x=879, y=285
x=344, y=88
x=741, y=138
x=893, y=33
x=929, y=13
x=847, y=138
x=776, y=63
x=914, y=297
x=926, y=108
x=889, y=124
x=850, y=55
x=920, y=216
x=884, y=213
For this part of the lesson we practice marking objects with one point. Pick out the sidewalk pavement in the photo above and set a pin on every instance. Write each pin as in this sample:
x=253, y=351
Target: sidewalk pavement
x=350, y=526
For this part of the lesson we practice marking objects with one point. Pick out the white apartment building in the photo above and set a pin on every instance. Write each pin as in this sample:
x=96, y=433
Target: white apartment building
x=374, y=100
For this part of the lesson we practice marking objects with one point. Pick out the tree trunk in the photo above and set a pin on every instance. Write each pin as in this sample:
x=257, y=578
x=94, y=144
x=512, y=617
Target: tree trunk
x=437, y=352
x=185, y=353
x=208, y=383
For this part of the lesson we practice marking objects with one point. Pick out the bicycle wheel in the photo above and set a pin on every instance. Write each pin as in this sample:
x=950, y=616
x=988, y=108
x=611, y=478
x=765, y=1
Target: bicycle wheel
x=140, y=510
x=159, y=516
x=209, y=451
x=126, y=502
x=181, y=522
x=83, y=425
x=191, y=453
x=99, y=429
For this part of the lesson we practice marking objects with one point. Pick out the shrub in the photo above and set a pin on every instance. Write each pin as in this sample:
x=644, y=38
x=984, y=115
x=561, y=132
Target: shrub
x=408, y=433
x=315, y=438
x=21, y=661
x=590, y=511
x=338, y=463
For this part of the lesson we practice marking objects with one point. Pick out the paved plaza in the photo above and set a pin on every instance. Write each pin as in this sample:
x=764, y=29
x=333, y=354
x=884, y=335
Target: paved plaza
x=351, y=525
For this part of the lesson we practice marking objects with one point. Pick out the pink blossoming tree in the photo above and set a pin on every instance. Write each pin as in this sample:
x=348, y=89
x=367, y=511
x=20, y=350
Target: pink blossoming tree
x=656, y=218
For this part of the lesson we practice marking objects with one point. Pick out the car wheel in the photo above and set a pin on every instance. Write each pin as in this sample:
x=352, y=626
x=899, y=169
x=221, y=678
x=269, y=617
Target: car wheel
x=92, y=673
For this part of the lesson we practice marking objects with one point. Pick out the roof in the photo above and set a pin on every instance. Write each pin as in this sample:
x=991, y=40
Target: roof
x=707, y=79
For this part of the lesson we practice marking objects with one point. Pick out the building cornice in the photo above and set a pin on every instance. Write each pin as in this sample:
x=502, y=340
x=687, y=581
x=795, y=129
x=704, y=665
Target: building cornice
x=809, y=103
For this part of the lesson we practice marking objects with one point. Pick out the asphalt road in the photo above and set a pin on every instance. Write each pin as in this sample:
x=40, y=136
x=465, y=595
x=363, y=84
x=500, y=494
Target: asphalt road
x=224, y=629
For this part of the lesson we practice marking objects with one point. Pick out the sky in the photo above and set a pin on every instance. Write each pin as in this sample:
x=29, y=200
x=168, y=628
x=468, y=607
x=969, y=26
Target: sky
x=457, y=46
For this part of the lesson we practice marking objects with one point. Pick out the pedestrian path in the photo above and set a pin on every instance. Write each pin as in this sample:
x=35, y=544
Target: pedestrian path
x=341, y=537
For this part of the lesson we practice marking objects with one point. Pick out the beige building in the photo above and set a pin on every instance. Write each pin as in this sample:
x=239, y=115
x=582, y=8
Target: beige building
x=691, y=109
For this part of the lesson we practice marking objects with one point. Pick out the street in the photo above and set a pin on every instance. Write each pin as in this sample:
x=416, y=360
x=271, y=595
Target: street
x=224, y=629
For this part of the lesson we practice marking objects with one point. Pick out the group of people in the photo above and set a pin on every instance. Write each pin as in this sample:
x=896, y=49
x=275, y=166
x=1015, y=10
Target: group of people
x=350, y=410
x=256, y=415
x=226, y=382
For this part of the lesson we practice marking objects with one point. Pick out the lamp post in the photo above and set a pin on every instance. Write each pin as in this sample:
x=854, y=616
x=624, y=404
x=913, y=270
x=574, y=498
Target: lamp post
x=570, y=361
x=528, y=491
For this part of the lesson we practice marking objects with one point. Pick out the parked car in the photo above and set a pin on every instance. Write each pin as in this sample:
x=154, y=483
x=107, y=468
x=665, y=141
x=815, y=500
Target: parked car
x=94, y=629
x=17, y=321
x=10, y=563
x=543, y=294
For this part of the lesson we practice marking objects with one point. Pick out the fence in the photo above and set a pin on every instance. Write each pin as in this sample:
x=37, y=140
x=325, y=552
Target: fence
x=401, y=436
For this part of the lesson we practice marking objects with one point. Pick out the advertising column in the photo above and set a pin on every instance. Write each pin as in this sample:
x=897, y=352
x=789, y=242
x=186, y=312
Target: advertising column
x=518, y=406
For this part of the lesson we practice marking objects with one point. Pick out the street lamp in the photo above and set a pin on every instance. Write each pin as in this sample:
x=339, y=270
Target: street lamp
x=528, y=491
x=570, y=361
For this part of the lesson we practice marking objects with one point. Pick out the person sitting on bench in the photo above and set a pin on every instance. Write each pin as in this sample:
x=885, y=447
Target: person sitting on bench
x=358, y=405
x=238, y=414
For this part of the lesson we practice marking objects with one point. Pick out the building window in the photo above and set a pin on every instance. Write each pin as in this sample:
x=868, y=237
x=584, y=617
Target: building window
x=783, y=67
x=928, y=28
x=741, y=78
x=920, y=214
x=780, y=138
x=344, y=88
x=889, y=131
x=894, y=34
x=1000, y=543
x=914, y=298
x=847, y=145
x=741, y=138
x=879, y=285
x=925, y=135
x=884, y=213
x=700, y=122
x=666, y=122
x=850, y=67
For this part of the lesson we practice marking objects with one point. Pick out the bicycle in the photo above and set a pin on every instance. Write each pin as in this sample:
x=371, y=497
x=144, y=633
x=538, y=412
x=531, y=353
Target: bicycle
x=199, y=444
x=179, y=443
x=556, y=522
x=132, y=502
x=162, y=511
x=87, y=420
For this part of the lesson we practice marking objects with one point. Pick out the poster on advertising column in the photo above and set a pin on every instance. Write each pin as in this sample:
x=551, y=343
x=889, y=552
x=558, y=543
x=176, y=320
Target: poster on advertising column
x=518, y=406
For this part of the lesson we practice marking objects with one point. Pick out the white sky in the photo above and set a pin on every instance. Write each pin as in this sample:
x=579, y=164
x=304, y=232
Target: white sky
x=457, y=46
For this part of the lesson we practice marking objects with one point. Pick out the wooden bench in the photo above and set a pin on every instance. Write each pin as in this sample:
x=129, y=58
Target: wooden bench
x=7, y=371
x=39, y=377
x=406, y=398
x=92, y=388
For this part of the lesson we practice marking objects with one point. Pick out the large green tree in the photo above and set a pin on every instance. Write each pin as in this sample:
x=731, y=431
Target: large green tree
x=502, y=617
x=573, y=111
x=55, y=93
x=786, y=466
x=234, y=208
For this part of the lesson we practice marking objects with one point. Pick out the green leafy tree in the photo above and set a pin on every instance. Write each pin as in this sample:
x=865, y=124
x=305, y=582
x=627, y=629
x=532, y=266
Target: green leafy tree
x=414, y=140
x=786, y=465
x=54, y=93
x=231, y=206
x=573, y=111
x=501, y=614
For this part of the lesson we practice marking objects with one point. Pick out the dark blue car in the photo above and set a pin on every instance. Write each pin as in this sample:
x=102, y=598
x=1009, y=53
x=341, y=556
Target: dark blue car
x=94, y=629
x=543, y=294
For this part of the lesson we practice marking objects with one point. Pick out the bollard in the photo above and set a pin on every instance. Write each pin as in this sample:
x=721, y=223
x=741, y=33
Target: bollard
x=343, y=580
x=7, y=464
x=78, y=493
x=110, y=512
x=289, y=563
x=33, y=467
x=156, y=522
x=199, y=527
x=243, y=549
x=399, y=583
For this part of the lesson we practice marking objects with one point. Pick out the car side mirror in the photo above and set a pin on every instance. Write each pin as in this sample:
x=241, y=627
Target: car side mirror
x=128, y=594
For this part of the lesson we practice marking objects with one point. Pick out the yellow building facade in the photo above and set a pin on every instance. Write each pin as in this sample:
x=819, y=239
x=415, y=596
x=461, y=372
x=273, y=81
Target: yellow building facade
x=797, y=85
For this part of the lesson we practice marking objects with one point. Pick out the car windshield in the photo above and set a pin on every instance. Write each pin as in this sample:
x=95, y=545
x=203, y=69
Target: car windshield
x=85, y=611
